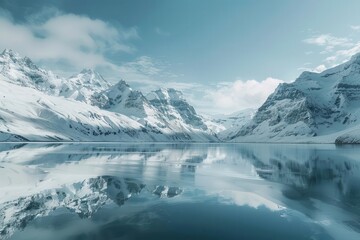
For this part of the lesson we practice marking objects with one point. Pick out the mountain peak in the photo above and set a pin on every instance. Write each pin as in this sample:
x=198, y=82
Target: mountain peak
x=91, y=73
x=121, y=86
x=90, y=77
x=87, y=71
x=175, y=94
x=9, y=54
x=122, y=83
x=166, y=94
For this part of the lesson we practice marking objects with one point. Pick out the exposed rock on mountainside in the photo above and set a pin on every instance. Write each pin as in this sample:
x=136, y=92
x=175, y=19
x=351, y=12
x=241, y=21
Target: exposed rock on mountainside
x=37, y=105
x=321, y=105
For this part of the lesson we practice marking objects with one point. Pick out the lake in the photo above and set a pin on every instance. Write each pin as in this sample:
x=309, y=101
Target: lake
x=179, y=191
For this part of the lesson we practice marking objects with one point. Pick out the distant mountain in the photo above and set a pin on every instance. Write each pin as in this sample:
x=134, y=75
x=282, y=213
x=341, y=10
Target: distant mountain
x=172, y=104
x=37, y=105
x=83, y=86
x=318, y=107
x=231, y=123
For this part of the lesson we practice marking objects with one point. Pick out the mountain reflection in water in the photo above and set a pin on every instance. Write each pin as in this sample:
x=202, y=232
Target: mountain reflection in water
x=179, y=191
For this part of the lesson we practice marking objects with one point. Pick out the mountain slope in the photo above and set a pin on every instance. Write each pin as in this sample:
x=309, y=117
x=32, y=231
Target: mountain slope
x=172, y=104
x=83, y=86
x=233, y=122
x=22, y=71
x=321, y=105
x=36, y=105
x=36, y=116
x=122, y=99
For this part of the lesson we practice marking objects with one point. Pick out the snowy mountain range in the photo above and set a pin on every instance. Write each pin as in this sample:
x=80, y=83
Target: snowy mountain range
x=316, y=107
x=37, y=105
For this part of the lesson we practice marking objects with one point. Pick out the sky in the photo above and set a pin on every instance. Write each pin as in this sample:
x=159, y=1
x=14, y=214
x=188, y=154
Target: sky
x=224, y=55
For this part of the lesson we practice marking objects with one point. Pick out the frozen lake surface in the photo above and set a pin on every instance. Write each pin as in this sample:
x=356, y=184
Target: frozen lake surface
x=179, y=191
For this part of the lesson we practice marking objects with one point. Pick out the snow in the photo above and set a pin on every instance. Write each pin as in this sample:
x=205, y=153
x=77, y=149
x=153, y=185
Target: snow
x=228, y=124
x=36, y=105
x=316, y=107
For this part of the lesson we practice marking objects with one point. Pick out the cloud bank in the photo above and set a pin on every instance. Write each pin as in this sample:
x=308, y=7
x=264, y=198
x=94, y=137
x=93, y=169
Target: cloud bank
x=66, y=43
x=65, y=39
x=242, y=94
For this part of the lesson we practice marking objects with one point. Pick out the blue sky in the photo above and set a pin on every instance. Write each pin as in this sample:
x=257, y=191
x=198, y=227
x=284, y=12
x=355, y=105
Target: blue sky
x=224, y=55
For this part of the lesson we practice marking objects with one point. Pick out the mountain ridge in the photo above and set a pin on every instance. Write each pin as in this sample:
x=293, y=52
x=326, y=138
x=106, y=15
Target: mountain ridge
x=38, y=105
x=312, y=107
x=83, y=107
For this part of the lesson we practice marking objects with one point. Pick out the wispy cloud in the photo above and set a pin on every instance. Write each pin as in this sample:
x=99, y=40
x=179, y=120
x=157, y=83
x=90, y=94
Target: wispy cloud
x=328, y=41
x=336, y=50
x=318, y=69
x=355, y=27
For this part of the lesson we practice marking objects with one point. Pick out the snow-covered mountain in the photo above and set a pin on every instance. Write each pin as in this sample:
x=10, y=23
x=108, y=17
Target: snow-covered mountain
x=315, y=107
x=236, y=119
x=36, y=116
x=172, y=104
x=168, y=112
x=121, y=98
x=22, y=71
x=83, y=86
x=38, y=105
x=232, y=122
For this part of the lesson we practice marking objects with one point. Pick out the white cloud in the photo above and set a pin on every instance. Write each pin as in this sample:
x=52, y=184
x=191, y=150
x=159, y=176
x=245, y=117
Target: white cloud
x=355, y=27
x=342, y=55
x=72, y=40
x=240, y=94
x=337, y=50
x=319, y=68
x=66, y=43
x=347, y=53
x=328, y=41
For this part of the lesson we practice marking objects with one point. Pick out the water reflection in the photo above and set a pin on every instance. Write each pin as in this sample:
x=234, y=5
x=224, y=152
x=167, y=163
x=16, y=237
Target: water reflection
x=310, y=187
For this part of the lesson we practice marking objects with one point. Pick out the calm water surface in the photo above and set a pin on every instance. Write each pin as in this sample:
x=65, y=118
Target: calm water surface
x=179, y=191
